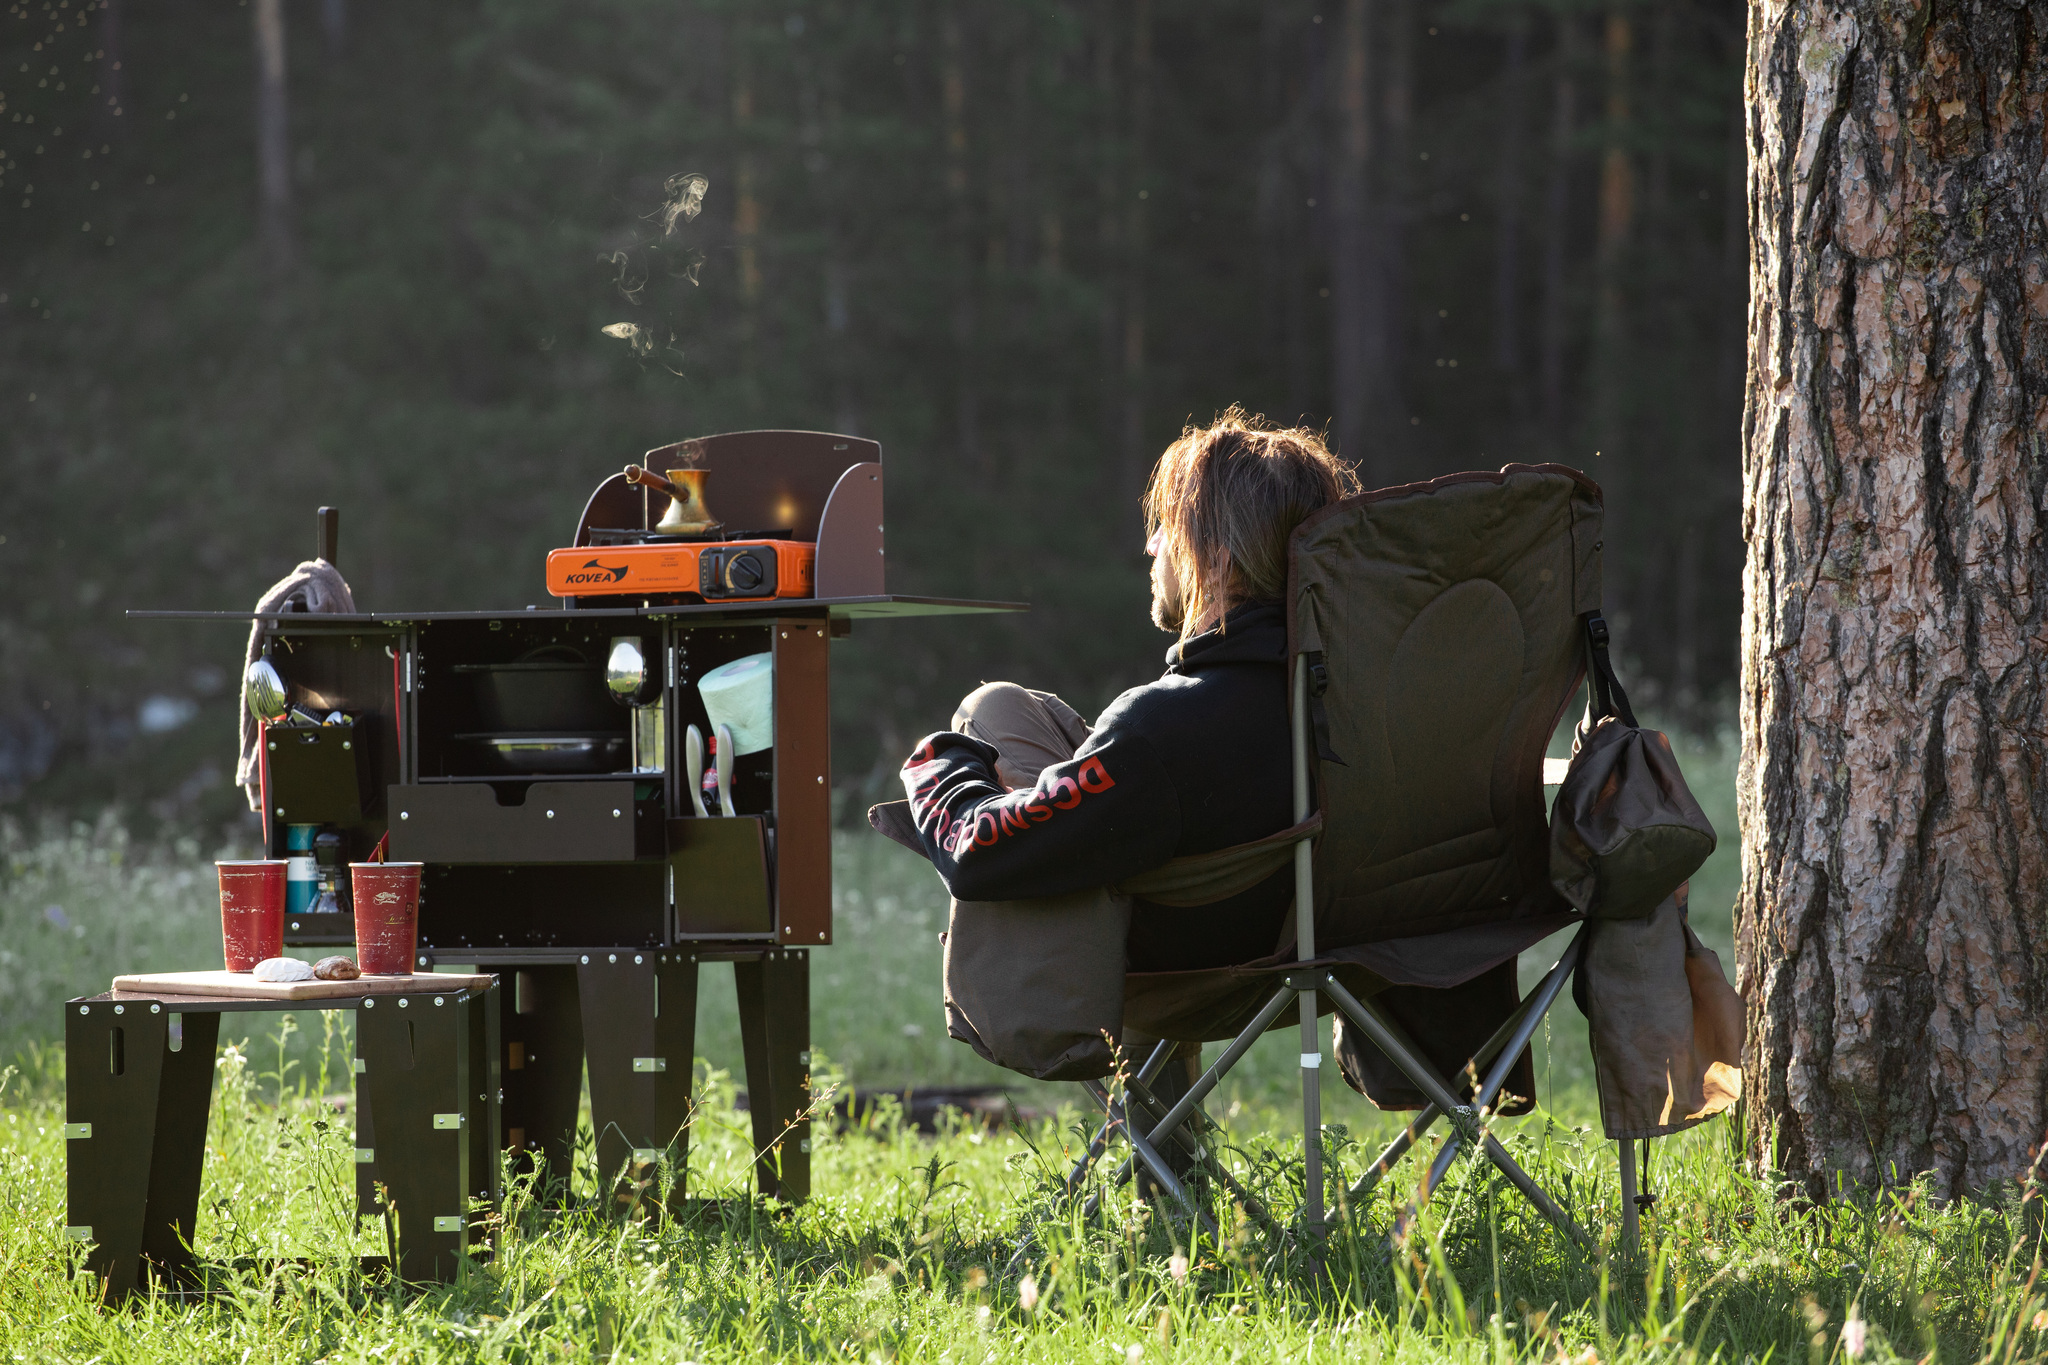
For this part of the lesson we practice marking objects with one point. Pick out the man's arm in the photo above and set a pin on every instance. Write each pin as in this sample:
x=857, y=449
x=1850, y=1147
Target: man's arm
x=1105, y=814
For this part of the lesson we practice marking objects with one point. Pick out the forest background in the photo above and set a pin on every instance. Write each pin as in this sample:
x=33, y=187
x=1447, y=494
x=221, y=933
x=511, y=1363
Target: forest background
x=258, y=258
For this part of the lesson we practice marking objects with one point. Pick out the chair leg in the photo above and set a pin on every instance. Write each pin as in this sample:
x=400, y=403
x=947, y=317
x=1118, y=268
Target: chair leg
x=1631, y=1228
x=1161, y=1051
x=1394, y=1151
x=1312, y=1114
x=1206, y=1157
x=1239, y=1045
x=1484, y=1057
x=1155, y=1165
x=1390, y=1038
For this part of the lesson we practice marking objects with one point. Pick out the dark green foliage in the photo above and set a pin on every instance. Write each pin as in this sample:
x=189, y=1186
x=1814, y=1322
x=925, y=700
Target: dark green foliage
x=997, y=237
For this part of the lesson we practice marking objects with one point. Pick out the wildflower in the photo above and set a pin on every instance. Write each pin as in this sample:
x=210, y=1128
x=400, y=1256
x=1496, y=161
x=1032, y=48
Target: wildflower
x=1133, y=1354
x=1177, y=1266
x=1027, y=1294
x=1853, y=1333
x=2041, y=1321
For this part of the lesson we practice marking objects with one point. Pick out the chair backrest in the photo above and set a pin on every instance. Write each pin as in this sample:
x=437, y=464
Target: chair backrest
x=1442, y=621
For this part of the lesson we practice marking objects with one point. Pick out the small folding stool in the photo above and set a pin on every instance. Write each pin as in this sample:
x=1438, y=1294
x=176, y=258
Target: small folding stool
x=139, y=1080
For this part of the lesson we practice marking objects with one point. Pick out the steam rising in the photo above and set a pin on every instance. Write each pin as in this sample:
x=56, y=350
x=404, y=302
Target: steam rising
x=633, y=267
x=685, y=200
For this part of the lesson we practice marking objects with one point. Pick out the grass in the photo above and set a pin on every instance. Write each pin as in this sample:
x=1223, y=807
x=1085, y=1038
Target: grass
x=905, y=1252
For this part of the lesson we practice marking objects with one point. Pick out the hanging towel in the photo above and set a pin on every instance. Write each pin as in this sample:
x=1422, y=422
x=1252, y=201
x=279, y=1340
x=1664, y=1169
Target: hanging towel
x=318, y=586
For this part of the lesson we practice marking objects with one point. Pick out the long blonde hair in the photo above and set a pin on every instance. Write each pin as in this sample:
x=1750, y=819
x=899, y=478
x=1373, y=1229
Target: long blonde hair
x=1224, y=499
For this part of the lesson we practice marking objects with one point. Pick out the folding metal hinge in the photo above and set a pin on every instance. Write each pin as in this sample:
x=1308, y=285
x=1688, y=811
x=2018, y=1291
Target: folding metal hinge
x=448, y=1120
x=365, y=1155
x=647, y=1156
x=75, y=1131
x=650, y=1064
x=79, y=1233
x=449, y=1223
x=361, y=1066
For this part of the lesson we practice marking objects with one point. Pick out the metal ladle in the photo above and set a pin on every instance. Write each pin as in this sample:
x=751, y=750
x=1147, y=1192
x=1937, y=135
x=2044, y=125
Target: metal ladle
x=265, y=692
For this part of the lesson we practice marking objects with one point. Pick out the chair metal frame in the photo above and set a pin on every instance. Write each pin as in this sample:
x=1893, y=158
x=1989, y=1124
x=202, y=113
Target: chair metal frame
x=1148, y=1125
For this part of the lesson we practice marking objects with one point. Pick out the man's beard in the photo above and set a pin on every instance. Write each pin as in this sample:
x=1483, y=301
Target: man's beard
x=1169, y=608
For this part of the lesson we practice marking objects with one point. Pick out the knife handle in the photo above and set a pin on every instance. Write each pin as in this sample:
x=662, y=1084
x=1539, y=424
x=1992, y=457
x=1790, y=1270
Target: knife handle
x=693, y=768
x=725, y=762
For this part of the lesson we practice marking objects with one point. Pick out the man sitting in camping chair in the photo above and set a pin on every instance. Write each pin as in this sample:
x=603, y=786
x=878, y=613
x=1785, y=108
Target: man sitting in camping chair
x=1022, y=800
x=1393, y=662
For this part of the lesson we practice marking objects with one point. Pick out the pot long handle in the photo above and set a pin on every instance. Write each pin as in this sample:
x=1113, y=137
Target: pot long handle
x=648, y=478
x=725, y=762
x=693, y=768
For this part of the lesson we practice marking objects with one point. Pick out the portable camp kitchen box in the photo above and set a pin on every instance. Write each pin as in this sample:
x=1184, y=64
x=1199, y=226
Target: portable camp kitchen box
x=598, y=894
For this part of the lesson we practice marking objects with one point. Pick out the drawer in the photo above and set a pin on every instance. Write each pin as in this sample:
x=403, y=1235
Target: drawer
x=510, y=822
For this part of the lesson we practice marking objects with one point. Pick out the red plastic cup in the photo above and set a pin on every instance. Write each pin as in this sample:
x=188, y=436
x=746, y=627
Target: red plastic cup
x=387, y=916
x=251, y=911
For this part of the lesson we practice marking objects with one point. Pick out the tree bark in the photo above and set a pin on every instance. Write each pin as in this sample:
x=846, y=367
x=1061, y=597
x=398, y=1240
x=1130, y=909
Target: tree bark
x=1893, y=925
x=273, y=142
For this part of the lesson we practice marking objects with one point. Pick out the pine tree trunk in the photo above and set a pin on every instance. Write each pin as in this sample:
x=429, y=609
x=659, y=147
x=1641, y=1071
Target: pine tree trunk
x=1893, y=926
x=1358, y=360
x=273, y=141
x=953, y=101
x=1553, y=326
x=1137, y=458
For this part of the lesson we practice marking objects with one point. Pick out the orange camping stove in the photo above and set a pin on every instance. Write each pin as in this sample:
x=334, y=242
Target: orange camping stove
x=720, y=571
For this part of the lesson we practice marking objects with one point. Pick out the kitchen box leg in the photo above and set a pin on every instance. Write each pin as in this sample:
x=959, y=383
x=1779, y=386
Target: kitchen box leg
x=775, y=1030
x=486, y=1110
x=541, y=1022
x=640, y=1037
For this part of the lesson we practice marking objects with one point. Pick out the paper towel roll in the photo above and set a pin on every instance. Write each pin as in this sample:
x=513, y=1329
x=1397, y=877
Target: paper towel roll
x=741, y=694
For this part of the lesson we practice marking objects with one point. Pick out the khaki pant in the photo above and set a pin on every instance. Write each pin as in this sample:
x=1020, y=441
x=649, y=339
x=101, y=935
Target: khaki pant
x=1030, y=732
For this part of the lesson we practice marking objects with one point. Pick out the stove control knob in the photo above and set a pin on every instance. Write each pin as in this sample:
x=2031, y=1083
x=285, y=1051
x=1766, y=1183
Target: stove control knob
x=743, y=573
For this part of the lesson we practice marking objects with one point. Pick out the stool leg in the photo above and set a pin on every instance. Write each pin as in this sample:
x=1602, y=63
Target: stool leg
x=541, y=1022
x=113, y=1085
x=775, y=1031
x=640, y=1031
x=416, y=1064
x=183, y=1098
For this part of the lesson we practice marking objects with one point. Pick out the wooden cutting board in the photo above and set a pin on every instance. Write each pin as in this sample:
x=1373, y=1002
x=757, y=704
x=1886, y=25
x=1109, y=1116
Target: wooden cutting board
x=245, y=986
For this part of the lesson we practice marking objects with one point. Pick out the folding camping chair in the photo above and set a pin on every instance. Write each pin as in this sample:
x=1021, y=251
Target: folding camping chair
x=1437, y=631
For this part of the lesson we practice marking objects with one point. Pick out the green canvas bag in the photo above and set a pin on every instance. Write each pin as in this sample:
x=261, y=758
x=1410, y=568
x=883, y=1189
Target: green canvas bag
x=1625, y=831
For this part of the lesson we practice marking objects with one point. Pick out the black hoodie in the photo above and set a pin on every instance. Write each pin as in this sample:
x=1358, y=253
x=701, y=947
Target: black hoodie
x=1195, y=762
